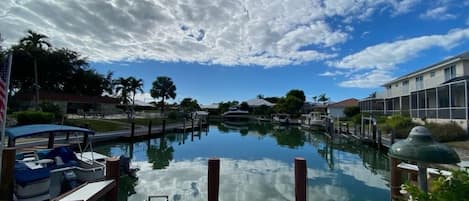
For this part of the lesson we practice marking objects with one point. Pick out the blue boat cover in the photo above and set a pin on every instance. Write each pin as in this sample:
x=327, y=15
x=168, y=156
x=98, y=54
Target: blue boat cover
x=35, y=129
x=24, y=175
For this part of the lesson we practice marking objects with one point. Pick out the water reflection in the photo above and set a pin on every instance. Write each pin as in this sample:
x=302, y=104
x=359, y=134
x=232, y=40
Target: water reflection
x=256, y=164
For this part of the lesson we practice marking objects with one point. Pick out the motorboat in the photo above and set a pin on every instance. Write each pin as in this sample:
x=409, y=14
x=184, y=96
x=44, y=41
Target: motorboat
x=281, y=119
x=313, y=120
x=43, y=173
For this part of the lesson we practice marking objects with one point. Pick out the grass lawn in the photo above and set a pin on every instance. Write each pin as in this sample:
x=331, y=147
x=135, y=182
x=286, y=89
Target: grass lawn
x=97, y=125
x=144, y=121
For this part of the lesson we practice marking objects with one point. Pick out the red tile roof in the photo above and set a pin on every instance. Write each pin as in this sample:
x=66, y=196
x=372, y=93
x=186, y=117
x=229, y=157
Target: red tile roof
x=53, y=96
x=345, y=103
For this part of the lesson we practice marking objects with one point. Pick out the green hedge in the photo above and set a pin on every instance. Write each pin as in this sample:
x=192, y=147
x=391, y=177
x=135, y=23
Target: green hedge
x=33, y=117
x=400, y=124
x=446, y=132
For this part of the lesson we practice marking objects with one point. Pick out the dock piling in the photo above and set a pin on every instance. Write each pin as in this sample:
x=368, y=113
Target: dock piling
x=113, y=172
x=149, y=128
x=8, y=165
x=396, y=181
x=300, y=179
x=213, y=179
x=132, y=129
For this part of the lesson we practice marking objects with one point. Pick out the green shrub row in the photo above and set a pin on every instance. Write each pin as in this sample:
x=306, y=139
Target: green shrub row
x=446, y=132
x=33, y=117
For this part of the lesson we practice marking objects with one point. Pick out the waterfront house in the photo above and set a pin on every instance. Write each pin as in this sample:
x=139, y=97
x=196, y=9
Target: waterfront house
x=257, y=102
x=70, y=103
x=336, y=110
x=436, y=93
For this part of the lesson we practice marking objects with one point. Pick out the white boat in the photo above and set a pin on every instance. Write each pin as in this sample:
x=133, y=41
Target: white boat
x=42, y=174
x=281, y=118
x=236, y=117
x=313, y=119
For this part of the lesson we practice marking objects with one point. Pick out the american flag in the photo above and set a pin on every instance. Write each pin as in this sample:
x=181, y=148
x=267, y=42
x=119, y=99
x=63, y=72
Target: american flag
x=4, y=86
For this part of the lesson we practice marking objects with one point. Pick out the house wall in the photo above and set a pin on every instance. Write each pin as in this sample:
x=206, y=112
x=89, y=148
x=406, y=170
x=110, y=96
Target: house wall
x=396, y=89
x=336, y=112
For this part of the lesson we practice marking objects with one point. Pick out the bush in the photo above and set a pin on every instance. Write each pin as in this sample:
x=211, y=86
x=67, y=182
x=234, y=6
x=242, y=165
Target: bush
x=52, y=108
x=173, y=115
x=33, y=117
x=400, y=124
x=446, y=132
x=351, y=111
x=443, y=189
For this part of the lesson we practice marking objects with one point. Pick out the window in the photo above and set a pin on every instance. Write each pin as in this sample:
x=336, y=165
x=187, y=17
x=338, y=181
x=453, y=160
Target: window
x=450, y=73
x=432, y=74
x=419, y=82
x=405, y=87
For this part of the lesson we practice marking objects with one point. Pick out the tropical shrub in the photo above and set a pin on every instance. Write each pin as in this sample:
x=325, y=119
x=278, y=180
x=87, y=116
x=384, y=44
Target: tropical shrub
x=400, y=125
x=446, y=132
x=33, y=117
x=52, y=108
x=351, y=111
x=442, y=189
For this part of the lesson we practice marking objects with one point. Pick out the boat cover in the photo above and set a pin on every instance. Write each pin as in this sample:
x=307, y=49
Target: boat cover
x=25, y=175
x=35, y=129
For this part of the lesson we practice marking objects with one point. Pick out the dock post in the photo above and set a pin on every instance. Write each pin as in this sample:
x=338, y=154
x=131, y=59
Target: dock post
x=8, y=168
x=348, y=128
x=113, y=172
x=149, y=128
x=213, y=178
x=50, y=143
x=300, y=179
x=373, y=132
x=132, y=129
x=396, y=182
x=380, y=139
x=192, y=126
x=184, y=126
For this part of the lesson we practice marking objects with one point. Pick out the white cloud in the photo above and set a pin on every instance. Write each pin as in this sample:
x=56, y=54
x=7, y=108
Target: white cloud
x=370, y=79
x=438, y=13
x=332, y=73
x=379, y=60
x=267, y=33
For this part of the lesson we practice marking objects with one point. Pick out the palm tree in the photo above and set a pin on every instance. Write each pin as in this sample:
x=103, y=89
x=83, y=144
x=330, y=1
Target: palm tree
x=322, y=98
x=123, y=89
x=134, y=87
x=32, y=43
x=164, y=88
x=315, y=98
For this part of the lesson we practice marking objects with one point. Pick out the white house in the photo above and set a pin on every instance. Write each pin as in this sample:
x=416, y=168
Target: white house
x=337, y=109
x=437, y=93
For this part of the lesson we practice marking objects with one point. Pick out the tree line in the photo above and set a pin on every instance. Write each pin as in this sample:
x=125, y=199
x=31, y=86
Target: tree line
x=38, y=66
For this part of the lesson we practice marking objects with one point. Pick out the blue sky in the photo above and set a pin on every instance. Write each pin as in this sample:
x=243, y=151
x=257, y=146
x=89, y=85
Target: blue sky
x=233, y=50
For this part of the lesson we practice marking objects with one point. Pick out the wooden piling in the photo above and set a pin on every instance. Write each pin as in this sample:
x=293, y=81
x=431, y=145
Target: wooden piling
x=184, y=126
x=50, y=143
x=113, y=172
x=213, y=179
x=192, y=126
x=132, y=129
x=149, y=128
x=300, y=179
x=395, y=181
x=8, y=168
x=373, y=132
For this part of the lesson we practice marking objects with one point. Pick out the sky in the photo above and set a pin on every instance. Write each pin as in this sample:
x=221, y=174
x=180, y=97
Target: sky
x=221, y=50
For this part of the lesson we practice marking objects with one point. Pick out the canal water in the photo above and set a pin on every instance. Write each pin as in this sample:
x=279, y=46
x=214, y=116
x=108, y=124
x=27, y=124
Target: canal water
x=256, y=164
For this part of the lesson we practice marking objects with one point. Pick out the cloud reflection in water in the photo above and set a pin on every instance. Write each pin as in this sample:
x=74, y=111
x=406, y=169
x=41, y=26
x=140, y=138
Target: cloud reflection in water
x=241, y=180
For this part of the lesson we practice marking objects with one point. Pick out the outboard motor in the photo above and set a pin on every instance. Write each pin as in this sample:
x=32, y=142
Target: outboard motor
x=70, y=181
